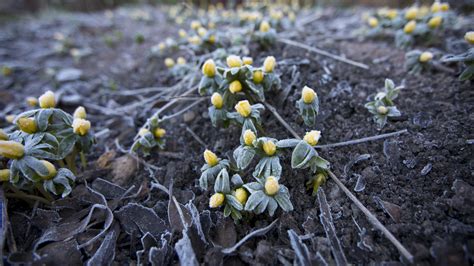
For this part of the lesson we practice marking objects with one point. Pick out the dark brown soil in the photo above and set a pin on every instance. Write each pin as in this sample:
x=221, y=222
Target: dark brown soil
x=424, y=177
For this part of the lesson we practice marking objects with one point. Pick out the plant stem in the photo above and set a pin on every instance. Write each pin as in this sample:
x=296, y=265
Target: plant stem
x=71, y=164
x=43, y=192
x=83, y=160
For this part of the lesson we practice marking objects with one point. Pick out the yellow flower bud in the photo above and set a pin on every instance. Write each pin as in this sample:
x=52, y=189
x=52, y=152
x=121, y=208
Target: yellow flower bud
x=159, y=133
x=81, y=126
x=11, y=149
x=143, y=131
x=265, y=26
x=182, y=33
x=411, y=13
x=312, y=137
x=425, y=57
x=243, y=108
x=216, y=100
x=392, y=13
x=247, y=60
x=234, y=61
x=47, y=100
x=3, y=135
x=209, y=68
x=10, y=118
x=216, y=200
x=194, y=40
x=195, y=24
x=161, y=46
x=235, y=86
x=435, y=7
x=308, y=95
x=241, y=194
x=27, y=125
x=469, y=37
x=382, y=110
x=269, y=64
x=269, y=147
x=409, y=27
x=444, y=6
x=258, y=76
x=212, y=39
x=211, y=25
x=271, y=186
x=202, y=31
x=435, y=22
x=169, y=62
x=373, y=22
x=80, y=112
x=51, y=170
x=181, y=60
x=210, y=158
x=32, y=101
x=4, y=175
x=249, y=137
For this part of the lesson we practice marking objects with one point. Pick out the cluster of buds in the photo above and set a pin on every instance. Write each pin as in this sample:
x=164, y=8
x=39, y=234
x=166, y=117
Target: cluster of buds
x=467, y=58
x=382, y=105
x=178, y=68
x=45, y=136
x=150, y=136
x=238, y=80
x=264, y=34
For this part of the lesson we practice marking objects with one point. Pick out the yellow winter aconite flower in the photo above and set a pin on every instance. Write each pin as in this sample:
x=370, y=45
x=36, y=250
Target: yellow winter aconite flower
x=161, y=46
x=247, y=60
x=392, y=13
x=80, y=112
x=269, y=64
x=194, y=40
x=234, y=61
x=209, y=68
x=469, y=37
x=271, y=186
x=382, y=110
x=241, y=194
x=243, y=108
x=10, y=118
x=258, y=76
x=425, y=57
x=159, y=133
x=169, y=62
x=410, y=27
x=195, y=24
x=182, y=33
x=27, y=125
x=5, y=175
x=181, y=60
x=212, y=39
x=436, y=7
x=444, y=6
x=216, y=200
x=143, y=131
x=210, y=158
x=51, y=170
x=249, y=137
x=269, y=147
x=81, y=126
x=32, y=101
x=202, y=31
x=47, y=100
x=3, y=135
x=265, y=26
x=312, y=137
x=308, y=95
x=216, y=100
x=235, y=86
x=411, y=13
x=435, y=22
x=11, y=149
x=373, y=22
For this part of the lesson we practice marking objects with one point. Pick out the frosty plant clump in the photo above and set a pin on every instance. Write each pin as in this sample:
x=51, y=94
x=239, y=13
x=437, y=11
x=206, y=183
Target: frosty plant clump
x=150, y=136
x=44, y=139
x=466, y=58
x=417, y=61
x=382, y=105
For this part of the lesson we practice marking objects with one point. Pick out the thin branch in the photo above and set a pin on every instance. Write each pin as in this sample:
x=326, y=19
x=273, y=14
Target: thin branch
x=182, y=110
x=282, y=121
x=322, y=52
x=372, y=219
x=357, y=141
x=196, y=137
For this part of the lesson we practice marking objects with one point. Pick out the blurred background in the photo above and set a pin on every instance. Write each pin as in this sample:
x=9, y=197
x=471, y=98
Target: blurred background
x=15, y=7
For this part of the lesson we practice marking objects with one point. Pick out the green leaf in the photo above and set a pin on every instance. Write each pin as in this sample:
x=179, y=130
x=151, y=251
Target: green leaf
x=254, y=199
x=262, y=206
x=284, y=201
x=287, y=143
x=234, y=202
x=272, y=206
x=222, y=182
x=253, y=187
x=302, y=154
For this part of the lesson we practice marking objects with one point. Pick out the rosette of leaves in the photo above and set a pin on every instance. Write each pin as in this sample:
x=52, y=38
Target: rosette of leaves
x=421, y=33
x=209, y=173
x=223, y=185
x=265, y=38
x=308, y=106
x=252, y=121
x=260, y=200
x=244, y=154
x=305, y=156
x=60, y=183
x=51, y=120
x=382, y=106
x=271, y=81
x=209, y=85
x=468, y=59
x=244, y=75
x=146, y=140
x=268, y=151
x=414, y=63
x=180, y=70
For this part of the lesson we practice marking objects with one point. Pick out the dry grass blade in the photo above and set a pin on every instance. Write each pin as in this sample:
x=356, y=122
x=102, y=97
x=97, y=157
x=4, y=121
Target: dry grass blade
x=357, y=141
x=322, y=52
